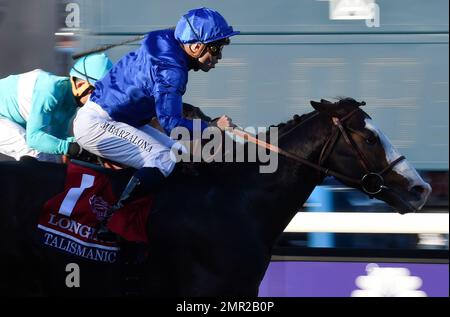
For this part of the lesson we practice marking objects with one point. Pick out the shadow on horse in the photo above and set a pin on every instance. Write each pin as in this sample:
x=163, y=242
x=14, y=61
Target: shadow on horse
x=211, y=232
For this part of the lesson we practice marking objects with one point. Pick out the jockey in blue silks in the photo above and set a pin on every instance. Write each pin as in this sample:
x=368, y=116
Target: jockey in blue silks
x=36, y=109
x=150, y=82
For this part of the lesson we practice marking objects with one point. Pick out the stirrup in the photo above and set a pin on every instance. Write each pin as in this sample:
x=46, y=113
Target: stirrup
x=103, y=233
x=126, y=194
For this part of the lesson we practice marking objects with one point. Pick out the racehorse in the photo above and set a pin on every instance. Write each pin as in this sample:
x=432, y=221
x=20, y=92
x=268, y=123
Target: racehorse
x=211, y=233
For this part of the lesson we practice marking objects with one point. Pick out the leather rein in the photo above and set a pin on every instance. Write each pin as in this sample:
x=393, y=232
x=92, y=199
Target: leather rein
x=371, y=182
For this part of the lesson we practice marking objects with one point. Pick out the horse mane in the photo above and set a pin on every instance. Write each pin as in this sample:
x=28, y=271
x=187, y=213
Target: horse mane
x=228, y=169
x=283, y=129
x=296, y=119
x=291, y=123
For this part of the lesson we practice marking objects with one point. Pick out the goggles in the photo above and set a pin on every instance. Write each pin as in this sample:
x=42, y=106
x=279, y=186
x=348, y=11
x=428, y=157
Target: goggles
x=215, y=48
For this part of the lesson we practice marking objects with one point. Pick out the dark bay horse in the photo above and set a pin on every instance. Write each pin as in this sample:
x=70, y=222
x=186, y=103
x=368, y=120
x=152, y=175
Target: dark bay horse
x=211, y=233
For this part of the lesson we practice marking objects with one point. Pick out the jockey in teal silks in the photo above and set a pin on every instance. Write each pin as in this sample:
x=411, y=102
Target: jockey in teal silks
x=36, y=109
x=150, y=82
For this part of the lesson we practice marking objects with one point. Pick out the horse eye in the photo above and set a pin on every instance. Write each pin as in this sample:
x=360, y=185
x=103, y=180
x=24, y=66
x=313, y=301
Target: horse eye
x=371, y=140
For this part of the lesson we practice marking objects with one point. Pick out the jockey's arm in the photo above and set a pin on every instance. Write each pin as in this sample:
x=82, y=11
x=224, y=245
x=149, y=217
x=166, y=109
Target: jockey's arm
x=170, y=85
x=39, y=127
x=169, y=110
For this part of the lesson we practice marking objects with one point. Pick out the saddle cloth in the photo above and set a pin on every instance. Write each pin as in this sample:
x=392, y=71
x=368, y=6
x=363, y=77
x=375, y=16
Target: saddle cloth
x=69, y=221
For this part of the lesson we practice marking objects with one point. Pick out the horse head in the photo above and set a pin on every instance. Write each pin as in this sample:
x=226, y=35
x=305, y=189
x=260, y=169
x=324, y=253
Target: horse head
x=359, y=150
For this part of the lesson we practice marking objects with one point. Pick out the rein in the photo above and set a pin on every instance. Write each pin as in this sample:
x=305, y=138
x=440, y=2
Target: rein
x=371, y=183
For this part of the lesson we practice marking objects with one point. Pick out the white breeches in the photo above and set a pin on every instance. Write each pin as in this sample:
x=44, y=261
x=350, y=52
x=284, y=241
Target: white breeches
x=139, y=147
x=13, y=143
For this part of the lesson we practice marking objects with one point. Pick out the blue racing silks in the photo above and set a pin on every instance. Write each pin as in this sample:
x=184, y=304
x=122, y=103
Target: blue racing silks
x=148, y=82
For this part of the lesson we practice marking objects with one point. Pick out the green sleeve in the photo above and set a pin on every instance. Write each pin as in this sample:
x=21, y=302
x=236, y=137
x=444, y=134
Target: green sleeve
x=49, y=94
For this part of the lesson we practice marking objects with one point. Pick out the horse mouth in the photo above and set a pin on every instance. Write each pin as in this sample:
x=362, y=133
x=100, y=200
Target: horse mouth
x=399, y=203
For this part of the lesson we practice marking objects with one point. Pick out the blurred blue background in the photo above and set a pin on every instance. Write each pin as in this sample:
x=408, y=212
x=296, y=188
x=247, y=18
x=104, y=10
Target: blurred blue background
x=289, y=53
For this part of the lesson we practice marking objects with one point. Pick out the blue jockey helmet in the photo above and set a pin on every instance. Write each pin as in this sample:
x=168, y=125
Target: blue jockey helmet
x=202, y=25
x=91, y=67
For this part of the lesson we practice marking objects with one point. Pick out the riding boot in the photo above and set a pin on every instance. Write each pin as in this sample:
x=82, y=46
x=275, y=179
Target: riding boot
x=143, y=182
x=28, y=159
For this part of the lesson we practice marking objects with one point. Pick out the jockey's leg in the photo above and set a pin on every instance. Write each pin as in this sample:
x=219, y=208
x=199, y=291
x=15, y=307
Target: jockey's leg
x=13, y=143
x=144, y=181
x=136, y=147
x=144, y=148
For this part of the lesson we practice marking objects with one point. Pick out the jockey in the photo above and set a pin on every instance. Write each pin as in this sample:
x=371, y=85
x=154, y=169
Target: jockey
x=36, y=109
x=149, y=82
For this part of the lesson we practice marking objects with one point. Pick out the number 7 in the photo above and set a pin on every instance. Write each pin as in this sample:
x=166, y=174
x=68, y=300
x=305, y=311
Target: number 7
x=74, y=194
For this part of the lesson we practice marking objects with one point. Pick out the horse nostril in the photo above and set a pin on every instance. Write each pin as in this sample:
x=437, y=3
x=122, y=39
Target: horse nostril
x=419, y=195
x=420, y=191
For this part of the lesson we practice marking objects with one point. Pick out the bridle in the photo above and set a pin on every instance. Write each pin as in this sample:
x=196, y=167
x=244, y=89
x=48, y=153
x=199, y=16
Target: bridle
x=371, y=182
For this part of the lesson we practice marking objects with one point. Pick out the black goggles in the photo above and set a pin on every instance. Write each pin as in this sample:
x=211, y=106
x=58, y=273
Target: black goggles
x=216, y=47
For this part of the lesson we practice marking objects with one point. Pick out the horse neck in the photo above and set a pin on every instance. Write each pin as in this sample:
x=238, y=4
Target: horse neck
x=281, y=194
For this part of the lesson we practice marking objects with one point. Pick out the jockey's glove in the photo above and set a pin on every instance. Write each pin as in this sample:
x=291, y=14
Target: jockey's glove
x=213, y=122
x=74, y=150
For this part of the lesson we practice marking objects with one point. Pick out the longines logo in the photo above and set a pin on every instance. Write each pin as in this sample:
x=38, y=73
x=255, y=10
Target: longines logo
x=100, y=207
x=72, y=226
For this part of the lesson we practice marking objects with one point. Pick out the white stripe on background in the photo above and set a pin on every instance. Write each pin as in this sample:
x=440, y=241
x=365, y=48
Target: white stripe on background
x=369, y=222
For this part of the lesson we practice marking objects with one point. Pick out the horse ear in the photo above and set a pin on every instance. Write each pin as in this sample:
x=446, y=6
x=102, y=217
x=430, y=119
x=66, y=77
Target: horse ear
x=325, y=101
x=317, y=105
x=324, y=106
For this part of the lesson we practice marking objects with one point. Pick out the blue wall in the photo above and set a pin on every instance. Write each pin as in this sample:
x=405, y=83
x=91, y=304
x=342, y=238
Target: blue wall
x=290, y=52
